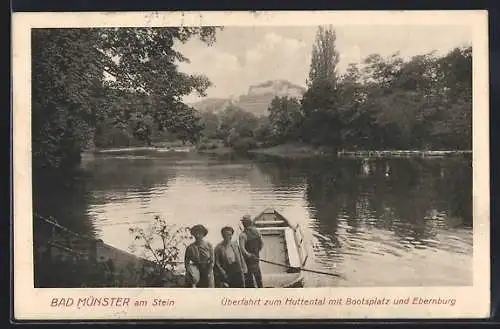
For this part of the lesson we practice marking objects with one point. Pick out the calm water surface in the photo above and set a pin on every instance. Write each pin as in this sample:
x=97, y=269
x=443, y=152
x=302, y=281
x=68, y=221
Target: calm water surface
x=395, y=222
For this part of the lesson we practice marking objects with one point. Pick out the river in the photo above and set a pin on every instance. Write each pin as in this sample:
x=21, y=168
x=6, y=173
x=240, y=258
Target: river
x=381, y=222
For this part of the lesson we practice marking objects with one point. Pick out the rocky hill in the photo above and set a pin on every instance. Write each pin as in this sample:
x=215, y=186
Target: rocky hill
x=256, y=100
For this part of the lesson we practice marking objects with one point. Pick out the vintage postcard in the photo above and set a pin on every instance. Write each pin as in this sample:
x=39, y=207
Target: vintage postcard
x=251, y=165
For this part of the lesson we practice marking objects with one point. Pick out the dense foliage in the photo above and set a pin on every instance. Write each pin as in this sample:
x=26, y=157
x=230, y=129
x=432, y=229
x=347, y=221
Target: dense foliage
x=387, y=103
x=122, y=87
x=320, y=103
x=161, y=243
x=424, y=102
x=421, y=103
x=96, y=85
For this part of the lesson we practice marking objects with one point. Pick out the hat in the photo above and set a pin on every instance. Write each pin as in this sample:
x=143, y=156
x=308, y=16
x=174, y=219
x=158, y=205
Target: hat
x=199, y=228
x=227, y=228
x=246, y=218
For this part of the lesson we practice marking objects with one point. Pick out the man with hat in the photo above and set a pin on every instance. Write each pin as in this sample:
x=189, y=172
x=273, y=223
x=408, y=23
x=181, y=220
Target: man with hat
x=251, y=244
x=199, y=260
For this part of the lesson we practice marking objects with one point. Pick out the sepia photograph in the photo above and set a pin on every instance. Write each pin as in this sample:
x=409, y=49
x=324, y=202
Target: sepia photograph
x=272, y=155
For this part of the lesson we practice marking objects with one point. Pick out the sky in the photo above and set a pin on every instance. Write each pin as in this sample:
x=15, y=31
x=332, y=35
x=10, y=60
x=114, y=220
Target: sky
x=244, y=56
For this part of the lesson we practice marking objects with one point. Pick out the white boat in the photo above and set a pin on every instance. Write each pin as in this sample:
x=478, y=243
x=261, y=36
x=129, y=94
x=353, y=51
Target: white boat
x=284, y=253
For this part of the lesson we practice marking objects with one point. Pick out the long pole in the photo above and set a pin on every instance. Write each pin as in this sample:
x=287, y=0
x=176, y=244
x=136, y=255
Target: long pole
x=303, y=269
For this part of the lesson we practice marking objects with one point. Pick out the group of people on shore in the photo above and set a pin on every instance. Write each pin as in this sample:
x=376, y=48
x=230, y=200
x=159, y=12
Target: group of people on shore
x=231, y=264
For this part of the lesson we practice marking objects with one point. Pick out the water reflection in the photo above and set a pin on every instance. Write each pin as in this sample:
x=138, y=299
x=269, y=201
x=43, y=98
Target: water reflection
x=385, y=207
x=66, y=202
x=379, y=222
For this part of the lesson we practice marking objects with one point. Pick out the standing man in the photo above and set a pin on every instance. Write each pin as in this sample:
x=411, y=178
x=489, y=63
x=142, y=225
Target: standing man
x=251, y=244
x=230, y=267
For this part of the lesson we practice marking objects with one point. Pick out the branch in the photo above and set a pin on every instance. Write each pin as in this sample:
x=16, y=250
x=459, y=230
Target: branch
x=148, y=246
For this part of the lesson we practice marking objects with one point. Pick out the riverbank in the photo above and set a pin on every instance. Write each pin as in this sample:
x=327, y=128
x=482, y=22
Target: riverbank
x=156, y=148
x=216, y=151
x=292, y=151
x=307, y=151
x=83, y=261
x=288, y=150
x=402, y=153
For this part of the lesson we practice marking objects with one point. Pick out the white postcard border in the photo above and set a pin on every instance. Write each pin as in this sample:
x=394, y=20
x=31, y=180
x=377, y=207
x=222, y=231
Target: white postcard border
x=35, y=304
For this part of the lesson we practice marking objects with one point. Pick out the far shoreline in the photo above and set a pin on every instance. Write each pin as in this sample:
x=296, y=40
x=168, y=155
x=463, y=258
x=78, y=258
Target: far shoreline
x=290, y=151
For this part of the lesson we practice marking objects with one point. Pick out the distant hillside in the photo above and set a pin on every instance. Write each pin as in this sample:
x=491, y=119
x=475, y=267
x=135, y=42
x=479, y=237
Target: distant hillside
x=212, y=104
x=257, y=99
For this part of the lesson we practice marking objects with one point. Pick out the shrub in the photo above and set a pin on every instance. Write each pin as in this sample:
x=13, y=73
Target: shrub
x=244, y=144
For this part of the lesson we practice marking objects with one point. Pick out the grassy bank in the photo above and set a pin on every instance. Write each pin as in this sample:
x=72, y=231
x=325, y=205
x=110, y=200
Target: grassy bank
x=157, y=146
x=297, y=150
x=290, y=150
x=286, y=150
x=223, y=150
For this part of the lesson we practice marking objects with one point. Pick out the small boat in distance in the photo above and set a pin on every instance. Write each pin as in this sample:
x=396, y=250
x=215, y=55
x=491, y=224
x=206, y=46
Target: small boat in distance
x=284, y=253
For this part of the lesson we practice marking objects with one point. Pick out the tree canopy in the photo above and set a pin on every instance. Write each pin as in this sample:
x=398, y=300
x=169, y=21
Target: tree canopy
x=89, y=77
x=422, y=102
x=111, y=86
x=388, y=102
x=320, y=102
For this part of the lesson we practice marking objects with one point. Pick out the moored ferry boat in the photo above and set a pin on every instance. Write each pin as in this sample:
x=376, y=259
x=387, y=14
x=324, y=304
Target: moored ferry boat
x=284, y=253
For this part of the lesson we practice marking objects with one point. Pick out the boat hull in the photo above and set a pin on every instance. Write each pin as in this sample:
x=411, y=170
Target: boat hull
x=284, y=253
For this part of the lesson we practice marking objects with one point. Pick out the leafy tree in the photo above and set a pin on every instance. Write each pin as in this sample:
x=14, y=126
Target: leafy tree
x=66, y=85
x=424, y=102
x=453, y=124
x=185, y=123
x=285, y=118
x=82, y=77
x=263, y=131
x=210, y=123
x=241, y=121
x=357, y=119
x=320, y=102
x=381, y=72
x=321, y=118
x=325, y=57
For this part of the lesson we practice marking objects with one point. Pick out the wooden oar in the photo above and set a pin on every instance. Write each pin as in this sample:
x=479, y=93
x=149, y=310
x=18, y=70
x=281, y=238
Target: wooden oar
x=303, y=269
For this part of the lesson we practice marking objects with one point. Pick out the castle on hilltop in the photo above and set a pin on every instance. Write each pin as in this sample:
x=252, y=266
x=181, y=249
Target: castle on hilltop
x=256, y=100
x=277, y=88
